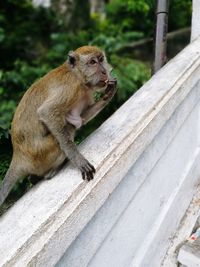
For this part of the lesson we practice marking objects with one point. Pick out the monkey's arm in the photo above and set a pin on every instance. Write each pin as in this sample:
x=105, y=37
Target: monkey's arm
x=93, y=110
x=54, y=118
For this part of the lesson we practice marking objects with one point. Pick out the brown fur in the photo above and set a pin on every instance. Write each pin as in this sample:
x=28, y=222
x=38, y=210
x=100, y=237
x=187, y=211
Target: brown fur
x=85, y=50
x=30, y=137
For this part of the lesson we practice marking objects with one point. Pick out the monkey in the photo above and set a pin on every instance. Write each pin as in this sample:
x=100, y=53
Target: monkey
x=50, y=112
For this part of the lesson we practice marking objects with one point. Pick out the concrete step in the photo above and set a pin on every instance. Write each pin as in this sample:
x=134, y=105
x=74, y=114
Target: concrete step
x=189, y=253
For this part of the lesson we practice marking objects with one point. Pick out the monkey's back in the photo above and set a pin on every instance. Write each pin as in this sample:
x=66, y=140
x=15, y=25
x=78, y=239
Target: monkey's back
x=26, y=119
x=30, y=137
x=26, y=123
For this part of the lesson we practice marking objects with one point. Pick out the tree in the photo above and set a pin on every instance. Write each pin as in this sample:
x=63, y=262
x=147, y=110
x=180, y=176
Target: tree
x=75, y=14
x=98, y=7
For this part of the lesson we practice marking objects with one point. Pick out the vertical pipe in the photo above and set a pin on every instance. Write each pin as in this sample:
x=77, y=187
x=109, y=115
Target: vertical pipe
x=161, y=34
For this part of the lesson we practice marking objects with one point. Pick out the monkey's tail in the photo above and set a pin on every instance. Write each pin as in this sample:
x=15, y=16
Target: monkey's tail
x=11, y=177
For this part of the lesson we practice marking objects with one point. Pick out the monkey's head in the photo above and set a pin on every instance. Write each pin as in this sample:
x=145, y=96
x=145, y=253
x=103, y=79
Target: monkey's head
x=90, y=64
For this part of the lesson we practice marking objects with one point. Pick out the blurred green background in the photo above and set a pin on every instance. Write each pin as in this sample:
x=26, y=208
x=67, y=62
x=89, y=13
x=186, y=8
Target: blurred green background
x=34, y=39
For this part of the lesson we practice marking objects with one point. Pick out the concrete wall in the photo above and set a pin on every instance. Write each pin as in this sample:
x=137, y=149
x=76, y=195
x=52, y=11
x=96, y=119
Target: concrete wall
x=195, y=19
x=147, y=160
x=134, y=226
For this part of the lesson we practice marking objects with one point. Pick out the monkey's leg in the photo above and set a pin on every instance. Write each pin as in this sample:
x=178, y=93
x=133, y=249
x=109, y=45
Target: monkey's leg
x=78, y=160
x=11, y=177
x=64, y=134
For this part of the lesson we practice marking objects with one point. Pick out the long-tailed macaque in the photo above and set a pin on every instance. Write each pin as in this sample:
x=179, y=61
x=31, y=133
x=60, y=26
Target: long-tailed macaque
x=50, y=111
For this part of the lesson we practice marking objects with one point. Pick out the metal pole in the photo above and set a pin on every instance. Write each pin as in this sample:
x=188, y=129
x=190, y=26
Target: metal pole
x=161, y=34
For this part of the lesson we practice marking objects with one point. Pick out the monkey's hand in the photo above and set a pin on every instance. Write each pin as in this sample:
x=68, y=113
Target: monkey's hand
x=93, y=110
x=110, y=89
x=87, y=169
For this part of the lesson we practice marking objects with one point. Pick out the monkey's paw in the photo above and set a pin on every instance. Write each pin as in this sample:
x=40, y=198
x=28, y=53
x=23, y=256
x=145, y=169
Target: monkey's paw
x=87, y=170
x=110, y=90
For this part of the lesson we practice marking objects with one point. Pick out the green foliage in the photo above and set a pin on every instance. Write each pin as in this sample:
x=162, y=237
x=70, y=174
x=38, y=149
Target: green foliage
x=131, y=15
x=80, y=17
x=4, y=134
x=5, y=151
x=23, y=38
x=112, y=44
x=139, y=15
x=130, y=74
x=179, y=14
x=12, y=85
x=7, y=109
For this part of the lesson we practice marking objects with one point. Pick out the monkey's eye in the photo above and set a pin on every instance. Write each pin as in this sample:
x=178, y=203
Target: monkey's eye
x=101, y=59
x=92, y=62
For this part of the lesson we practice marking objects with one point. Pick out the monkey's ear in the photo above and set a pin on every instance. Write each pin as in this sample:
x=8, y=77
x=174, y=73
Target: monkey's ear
x=71, y=59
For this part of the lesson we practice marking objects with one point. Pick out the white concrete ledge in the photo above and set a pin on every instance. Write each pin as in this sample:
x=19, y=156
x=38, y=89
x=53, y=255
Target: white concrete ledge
x=42, y=225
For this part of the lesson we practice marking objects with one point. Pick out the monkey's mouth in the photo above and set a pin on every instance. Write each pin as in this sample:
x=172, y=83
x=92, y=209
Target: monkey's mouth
x=111, y=82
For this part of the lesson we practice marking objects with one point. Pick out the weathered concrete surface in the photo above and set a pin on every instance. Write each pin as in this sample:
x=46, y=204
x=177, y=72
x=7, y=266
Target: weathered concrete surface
x=146, y=157
x=187, y=225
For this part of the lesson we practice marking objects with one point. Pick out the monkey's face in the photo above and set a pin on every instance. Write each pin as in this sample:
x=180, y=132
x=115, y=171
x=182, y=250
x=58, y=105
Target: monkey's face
x=91, y=64
x=95, y=70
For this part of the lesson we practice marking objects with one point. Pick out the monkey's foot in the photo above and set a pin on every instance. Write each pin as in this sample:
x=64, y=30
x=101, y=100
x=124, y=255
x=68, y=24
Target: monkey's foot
x=33, y=179
x=87, y=170
x=50, y=174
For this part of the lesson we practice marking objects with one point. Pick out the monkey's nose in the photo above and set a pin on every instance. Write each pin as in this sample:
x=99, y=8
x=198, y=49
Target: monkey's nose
x=103, y=70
